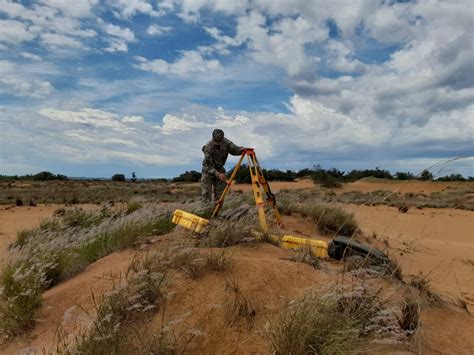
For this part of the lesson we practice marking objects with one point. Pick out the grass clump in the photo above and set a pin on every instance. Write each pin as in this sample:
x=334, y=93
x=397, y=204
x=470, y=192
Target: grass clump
x=423, y=284
x=227, y=233
x=306, y=255
x=312, y=325
x=219, y=261
x=83, y=219
x=20, y=296
x=335, y=323
x=133, y=206
x=331, y=219
x=239, y=307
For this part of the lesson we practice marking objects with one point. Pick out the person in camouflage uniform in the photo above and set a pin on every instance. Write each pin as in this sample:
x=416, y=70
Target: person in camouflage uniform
x=215, y=152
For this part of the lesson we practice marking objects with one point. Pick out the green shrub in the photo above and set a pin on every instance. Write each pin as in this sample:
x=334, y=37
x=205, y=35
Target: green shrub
x=335, y=323
x=118, y=177
x=330, y=219
x=19, y=299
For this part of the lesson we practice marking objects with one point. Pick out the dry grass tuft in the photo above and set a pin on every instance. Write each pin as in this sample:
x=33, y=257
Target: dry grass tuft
x=340, y=322
x=410, y=316
x=423, y=284
x=223, y=234
x=306, y=255
x=238, y=307
x=219, y=260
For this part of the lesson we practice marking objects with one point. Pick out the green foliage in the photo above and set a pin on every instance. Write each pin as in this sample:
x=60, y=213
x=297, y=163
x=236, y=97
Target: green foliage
x=426, y=175
x=118, y=177
x=133, y=206
x=227, y=233
x=83, y=219
x=329, y=219
x=452, y=177
x=404, y=176
x=19, y=299
x=243, y=175
x=324, y=324
x=42, y=176
x=188, y=176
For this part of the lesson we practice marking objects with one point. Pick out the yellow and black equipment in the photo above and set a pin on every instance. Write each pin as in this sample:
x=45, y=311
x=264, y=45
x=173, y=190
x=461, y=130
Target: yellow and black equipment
x=263, y=198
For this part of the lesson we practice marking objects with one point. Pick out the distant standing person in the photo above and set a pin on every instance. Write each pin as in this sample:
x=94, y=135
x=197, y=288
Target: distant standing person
x=215, y=152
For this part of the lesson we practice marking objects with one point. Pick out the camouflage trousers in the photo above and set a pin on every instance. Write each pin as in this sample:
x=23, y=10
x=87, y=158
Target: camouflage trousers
x=211, y=187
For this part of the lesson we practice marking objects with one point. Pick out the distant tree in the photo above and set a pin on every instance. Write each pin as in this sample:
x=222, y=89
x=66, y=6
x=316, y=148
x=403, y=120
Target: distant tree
x=188, y=176
x=43, y=176
x=426, y=175
x=118, y=177
x=404, y=176
x=304, y=173
x=452, y=177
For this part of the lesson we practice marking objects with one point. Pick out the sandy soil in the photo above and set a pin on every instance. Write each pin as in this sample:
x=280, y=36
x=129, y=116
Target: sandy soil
x=435, y=242
x=14, y=219
x=438, y=242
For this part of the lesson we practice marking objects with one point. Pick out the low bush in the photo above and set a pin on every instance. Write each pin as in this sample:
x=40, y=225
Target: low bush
x=227, y=233
x=335, y=323
x=330, y=219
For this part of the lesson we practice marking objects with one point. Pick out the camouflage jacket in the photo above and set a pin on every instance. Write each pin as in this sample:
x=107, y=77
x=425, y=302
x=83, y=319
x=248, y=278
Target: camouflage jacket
x=215, y=155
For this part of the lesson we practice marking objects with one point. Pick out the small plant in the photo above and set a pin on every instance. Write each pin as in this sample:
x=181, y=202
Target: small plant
x=330, y=219
x=238, y=306
x=19, y=298
x=306, y=255
x=190, y=261
x=219, y=261
x=410, y=317
x=334, y=323
x=423, y=284
x=228, y=233
x=313, y=325
x=23, y=236
x=18, y=202
x=133, y=206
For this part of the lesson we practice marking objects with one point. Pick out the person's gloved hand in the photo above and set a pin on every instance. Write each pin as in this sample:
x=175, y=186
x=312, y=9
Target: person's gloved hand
x=222, y=177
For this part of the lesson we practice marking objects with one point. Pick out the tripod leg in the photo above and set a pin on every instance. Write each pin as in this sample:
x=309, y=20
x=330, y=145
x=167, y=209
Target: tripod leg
x=270, y=196
x=257, y=192
x=219, y=203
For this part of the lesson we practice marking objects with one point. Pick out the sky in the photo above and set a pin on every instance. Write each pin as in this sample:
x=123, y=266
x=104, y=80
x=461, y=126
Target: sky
x=97, y=87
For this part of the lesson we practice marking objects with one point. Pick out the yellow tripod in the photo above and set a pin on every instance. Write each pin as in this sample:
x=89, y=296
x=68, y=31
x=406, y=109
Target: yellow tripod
x=259, y=186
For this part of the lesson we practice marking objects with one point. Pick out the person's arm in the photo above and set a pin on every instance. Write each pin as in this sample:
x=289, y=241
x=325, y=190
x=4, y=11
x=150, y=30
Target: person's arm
x=234, y=149
x=208, y=164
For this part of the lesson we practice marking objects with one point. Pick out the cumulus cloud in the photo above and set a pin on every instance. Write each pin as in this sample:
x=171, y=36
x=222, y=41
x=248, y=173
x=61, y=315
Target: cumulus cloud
x=76, y=8
x=14, y=82
x=30, y=56
x=308, y=134
x=189, y=62
x=12, y=31
x=156, y=30
x=119, y=37
x=128, y=8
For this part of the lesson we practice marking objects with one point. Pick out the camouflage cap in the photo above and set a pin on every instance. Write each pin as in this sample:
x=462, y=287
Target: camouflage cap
x=217, y=135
